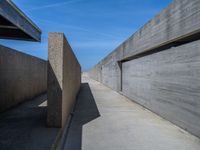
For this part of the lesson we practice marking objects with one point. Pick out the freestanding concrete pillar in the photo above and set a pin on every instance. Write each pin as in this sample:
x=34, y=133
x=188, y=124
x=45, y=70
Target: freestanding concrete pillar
x=64, y=78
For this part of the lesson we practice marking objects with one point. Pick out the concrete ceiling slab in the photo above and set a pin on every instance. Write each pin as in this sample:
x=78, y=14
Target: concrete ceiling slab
x=14, y=24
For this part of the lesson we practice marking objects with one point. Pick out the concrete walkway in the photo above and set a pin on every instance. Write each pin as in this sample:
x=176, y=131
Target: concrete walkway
x=106, y=120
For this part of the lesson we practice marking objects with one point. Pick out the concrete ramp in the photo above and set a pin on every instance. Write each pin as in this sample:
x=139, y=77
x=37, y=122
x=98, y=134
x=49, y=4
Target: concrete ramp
x=24, y=127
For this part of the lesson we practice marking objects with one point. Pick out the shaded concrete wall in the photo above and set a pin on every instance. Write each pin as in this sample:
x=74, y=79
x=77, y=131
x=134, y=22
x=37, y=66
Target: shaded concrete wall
x=158, y=66
x=22, y=77
x=64, y=78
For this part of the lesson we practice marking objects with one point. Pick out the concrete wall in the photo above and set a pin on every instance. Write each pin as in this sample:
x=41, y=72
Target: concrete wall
x=22, y=77
x=64, y=78
x=168, y=83
x=179, y=20
x=158, y=66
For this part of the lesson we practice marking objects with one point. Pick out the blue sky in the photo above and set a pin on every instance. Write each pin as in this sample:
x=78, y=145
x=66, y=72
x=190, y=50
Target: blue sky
x=93, y=28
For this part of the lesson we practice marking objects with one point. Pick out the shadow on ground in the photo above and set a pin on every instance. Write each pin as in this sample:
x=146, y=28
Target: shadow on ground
x=85, y=111
x=24, y=127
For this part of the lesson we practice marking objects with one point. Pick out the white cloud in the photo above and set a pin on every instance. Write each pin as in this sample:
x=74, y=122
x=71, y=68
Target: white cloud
x=55, y=5
x=74, y=27
x=96, y=44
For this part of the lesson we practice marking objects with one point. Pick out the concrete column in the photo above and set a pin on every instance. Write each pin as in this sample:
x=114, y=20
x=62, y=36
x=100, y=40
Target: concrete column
x=64, y=80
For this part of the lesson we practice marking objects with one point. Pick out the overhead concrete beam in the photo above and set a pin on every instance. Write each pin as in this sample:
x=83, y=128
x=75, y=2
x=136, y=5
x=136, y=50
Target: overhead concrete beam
x=14, y=24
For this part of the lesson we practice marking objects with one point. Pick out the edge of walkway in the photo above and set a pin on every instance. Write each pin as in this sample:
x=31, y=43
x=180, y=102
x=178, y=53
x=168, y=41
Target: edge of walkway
x=62, y=133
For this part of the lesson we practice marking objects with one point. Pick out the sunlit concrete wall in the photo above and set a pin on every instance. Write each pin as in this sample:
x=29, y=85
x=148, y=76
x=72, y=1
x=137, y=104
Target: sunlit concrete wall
x=22, y=77
x=159, y=66
x=64, y=79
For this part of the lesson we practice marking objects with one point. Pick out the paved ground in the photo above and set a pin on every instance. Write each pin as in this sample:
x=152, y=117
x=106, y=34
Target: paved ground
x=24, y=127
x=106, y=120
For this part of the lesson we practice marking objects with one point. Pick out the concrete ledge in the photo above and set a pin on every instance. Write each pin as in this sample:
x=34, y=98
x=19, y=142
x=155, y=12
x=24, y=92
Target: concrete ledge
x=176, y=24
x=64, y=78
x=22, y=77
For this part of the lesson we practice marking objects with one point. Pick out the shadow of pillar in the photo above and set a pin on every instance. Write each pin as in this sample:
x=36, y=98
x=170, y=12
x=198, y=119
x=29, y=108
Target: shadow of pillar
x=85, y=111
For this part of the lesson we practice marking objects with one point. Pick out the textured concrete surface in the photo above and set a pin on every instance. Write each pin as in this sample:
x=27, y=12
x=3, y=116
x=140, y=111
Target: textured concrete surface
x=106, y=120
x=64, y=78
x=14, y=24
x=158, y=66
x=173, y=24
x=21, y=77
x=176, y=24
x=24, y=127
x=168, y=83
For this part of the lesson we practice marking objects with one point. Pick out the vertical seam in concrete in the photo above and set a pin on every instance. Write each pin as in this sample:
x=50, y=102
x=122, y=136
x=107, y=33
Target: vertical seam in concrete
x=63, y=40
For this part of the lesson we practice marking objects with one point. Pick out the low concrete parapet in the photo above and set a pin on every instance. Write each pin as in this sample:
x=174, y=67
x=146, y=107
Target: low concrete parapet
x=64, y=78
x=22, y=77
